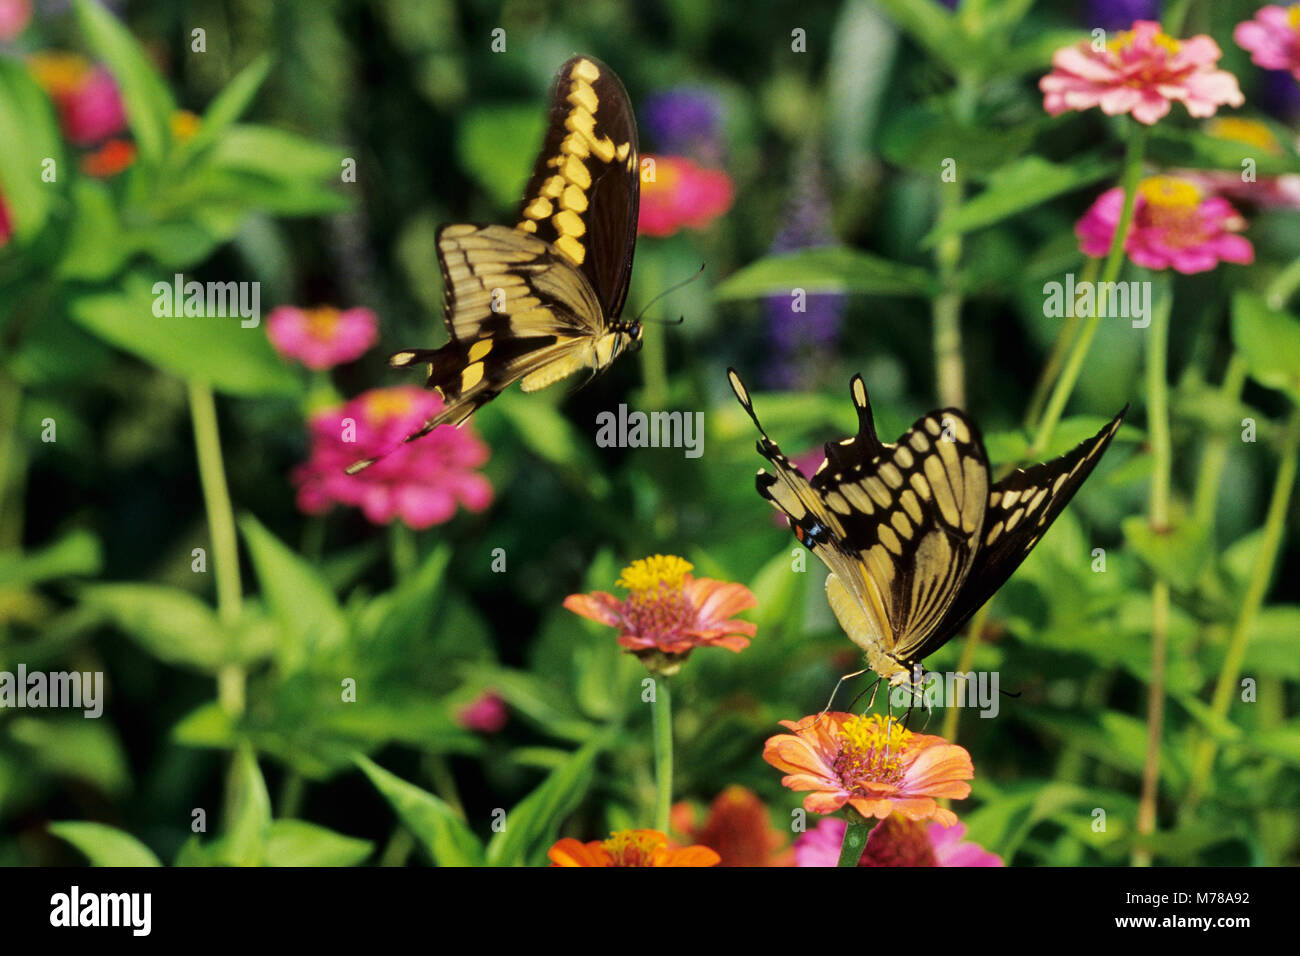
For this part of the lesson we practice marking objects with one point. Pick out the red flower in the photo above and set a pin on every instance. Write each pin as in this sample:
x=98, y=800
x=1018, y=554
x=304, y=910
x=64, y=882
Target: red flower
x=670, y=613
x=629, y=848
x=109, y=160
x=485, y=714
x=676, y=194
x=419, y=484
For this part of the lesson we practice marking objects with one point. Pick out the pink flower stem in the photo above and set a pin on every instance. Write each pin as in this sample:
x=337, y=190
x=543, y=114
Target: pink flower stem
x=1114, y=262
x=1161, y=479
x=661, y=716
x=221, y=527
x=1256, y=591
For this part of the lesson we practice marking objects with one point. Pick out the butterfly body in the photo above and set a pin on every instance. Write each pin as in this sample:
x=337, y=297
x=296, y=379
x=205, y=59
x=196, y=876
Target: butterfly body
x=542, y=300
x=916, y=534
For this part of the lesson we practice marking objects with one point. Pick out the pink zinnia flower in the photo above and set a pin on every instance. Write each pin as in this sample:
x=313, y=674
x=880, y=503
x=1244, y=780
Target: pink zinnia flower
x=322, y=337
x=485, y=714
x=419, y=484
x=14, y=17
x=681, y=195
x=1174, y=225
x=873, y=765
x=894, y=841
x=1273, y=38
x=1270, y=192
x=90, y=106
x=670, y=613
x=1141, y=72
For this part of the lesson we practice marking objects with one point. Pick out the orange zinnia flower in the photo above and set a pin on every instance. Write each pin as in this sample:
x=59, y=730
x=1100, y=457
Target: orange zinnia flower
x=738, y=827
x=670, y=613
x=629, y=848
x=873, y=765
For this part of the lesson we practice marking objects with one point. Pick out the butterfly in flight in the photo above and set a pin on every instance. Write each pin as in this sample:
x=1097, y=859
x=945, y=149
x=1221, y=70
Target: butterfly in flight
x=540, y=300
x=916, y=534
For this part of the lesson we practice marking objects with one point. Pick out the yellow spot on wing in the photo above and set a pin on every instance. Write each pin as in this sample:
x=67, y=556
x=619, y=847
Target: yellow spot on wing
x=581, y=94
x=569, y=223
x=539, y=208
x=574, y=199
x=472, y=375
x=480, y=349
x=586, y=70
x=572, y=249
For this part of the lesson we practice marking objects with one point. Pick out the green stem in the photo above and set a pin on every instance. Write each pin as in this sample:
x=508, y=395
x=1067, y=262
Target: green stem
x=1114, y=262
x=291, y=793
x=221, y=527
x=661, y=715
x=949, y=373
x=1215, y=455
x=1256, y=590
x=855, y=841
x=1161, y=480
x=953, y=714
x=11, y=464
x=402, y=550
x=1283, y=286
x=1060, y=349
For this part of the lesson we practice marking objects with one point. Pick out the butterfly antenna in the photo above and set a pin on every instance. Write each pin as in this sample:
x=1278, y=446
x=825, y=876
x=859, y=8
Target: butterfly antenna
x=827, y=708
x=669, y=291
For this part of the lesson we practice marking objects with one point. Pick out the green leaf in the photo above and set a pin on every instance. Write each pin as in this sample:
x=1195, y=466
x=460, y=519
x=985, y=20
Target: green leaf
x=1193, y=149
x=86, y=750
x=824, y=269
x=149, y=104
x=1274, y=645
x=299, y=843
x=435, y=824
x=104, y=845
x=1019, y=186
x=548, y=434
x=29, y=134
x=172, y=625
x=296, y=595
x=535, y=821
x=229, y=105
x=1177, y=554
x=76, y=553
x=1269, y=341
x=208, y=725
x=276, y=154
x=248, y=812
x=493, y=147
x=233, y=359
x=95, y=248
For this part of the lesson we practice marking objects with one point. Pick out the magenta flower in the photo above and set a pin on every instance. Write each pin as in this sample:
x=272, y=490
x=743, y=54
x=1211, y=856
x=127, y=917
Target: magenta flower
x=322, y=337
x=6, y=224
x=1272, y=38
x=681, y=195
x=14, y=17
x=485, y=714
x=1140, y=72
x=94, y=111
x=894, y=841
x=419, y=484
x=1175, y=225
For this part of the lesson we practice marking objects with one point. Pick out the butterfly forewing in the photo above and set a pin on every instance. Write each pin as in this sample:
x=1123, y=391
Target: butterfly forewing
x=584, y=193
x=1022, y=506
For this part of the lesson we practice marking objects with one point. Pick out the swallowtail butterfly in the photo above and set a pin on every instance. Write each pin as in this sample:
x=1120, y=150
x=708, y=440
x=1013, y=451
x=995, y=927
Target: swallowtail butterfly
x=916, y=534
x=540, y=300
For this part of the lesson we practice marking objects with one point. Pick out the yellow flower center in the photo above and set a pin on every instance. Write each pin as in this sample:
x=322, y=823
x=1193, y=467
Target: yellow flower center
x=184, y=125
x=871, y=751
x=1173, y=205
x=1162, y=40
x=322, y=322
x=648, y=574
x=665, y=175
x=382, y=405
x=58, y=73
x=633, y=847
x=1238, y=130
x=1293, y=17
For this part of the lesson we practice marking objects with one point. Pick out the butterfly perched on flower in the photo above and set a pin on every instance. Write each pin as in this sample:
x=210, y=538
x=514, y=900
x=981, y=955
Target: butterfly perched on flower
x=916, y=534
x=540, y=300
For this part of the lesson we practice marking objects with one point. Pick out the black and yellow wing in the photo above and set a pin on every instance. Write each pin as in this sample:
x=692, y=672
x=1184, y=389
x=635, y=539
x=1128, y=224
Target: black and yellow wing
x=915, y=538
x=542, y=300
